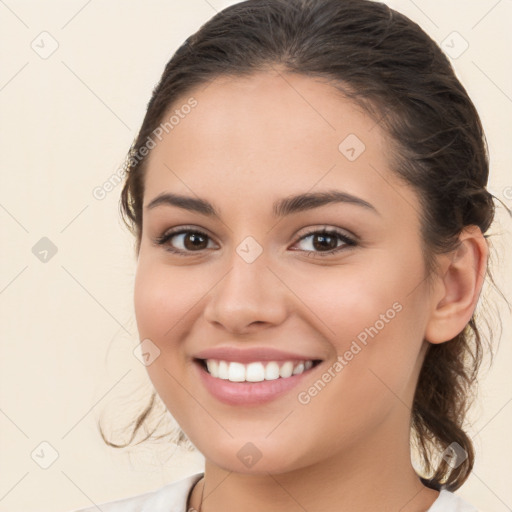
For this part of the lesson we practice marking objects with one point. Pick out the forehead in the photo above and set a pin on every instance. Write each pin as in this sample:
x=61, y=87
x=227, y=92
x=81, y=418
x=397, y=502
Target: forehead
x=278, y=111
x=271, y=134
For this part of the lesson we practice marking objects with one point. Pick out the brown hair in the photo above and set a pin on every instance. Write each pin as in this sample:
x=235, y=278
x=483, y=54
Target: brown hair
x=386, y=63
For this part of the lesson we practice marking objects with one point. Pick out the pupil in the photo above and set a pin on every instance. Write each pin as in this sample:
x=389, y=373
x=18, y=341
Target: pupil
x=323, y=238
x=194, y=237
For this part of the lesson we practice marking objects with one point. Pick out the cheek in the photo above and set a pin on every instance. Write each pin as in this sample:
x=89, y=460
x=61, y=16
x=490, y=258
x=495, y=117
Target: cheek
x=163, y=296
x=377, y=341
x=168, y=302
x=163, y=299
x=349, y=300
x=372, y=320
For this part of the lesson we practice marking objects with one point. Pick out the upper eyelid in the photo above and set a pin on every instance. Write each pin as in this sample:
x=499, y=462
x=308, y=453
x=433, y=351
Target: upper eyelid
x=307, y=231
x=327, y=227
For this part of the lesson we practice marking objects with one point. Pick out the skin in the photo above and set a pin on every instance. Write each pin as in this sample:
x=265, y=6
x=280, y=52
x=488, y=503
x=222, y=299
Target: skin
x=248, y=142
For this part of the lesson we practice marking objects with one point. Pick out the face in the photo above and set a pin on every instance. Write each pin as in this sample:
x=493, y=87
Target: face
x=261, y=286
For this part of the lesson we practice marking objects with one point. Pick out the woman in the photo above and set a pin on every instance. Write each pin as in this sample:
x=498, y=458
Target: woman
x=308, y=197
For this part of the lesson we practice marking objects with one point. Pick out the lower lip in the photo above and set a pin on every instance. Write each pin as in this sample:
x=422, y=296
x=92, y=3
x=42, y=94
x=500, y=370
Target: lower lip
x=248, y=393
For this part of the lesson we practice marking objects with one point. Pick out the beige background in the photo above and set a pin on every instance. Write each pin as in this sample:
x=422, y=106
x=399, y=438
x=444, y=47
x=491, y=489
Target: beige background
x=67, y=325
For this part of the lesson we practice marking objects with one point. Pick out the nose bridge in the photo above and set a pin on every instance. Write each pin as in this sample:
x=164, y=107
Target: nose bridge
x=248, y=292
x=249, y=276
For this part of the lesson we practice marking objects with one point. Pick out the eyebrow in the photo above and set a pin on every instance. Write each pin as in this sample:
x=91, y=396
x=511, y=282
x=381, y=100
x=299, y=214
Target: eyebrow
x=281, y=208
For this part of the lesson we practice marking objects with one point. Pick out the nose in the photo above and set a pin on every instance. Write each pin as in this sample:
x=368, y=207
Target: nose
x=249, y=297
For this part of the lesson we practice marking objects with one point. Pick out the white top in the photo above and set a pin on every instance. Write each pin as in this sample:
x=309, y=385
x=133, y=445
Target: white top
x=173, y=498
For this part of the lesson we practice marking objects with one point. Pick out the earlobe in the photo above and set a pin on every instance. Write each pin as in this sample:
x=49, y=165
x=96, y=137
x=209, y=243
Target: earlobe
x=461, y=283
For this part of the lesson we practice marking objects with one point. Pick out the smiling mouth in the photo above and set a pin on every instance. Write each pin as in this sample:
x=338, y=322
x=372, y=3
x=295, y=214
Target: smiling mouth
x=257, y=371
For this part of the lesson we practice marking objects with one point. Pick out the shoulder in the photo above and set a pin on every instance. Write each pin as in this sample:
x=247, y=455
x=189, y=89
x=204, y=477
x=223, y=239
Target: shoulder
x=450, y=502
x=170, y=498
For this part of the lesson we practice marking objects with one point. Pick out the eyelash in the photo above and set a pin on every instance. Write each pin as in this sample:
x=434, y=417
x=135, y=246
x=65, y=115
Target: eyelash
x=348, y=241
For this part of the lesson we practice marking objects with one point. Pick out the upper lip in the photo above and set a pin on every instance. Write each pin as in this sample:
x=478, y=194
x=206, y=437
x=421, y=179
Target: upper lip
x=249, y=355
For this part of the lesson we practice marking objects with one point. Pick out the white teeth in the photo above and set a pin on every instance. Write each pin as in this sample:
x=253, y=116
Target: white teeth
x=213, y=366
x=255, y=372
x=223, y=370
x=298, y=369
x=272, y=371
x=287, y=369
x=236, y=372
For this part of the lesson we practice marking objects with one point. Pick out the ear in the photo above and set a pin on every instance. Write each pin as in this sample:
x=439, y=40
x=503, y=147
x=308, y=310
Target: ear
x=458, y=287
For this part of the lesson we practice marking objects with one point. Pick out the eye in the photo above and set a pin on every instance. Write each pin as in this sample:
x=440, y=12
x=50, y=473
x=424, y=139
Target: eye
x=189, y=240
x=324, y=242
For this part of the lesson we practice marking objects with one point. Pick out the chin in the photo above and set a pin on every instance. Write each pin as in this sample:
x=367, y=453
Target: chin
x=254, y=457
